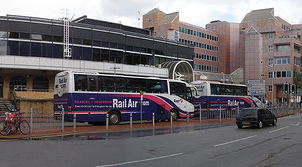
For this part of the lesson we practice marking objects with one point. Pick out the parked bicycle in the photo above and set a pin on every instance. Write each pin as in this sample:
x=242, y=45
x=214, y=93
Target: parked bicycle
x=13, y=122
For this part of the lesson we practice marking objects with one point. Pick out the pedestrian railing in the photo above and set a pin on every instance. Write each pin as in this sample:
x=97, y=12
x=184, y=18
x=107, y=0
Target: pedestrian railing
x=40, y=123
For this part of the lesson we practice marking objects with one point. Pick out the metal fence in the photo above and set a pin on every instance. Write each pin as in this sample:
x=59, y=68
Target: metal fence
x=44, y=124
x=203, y=114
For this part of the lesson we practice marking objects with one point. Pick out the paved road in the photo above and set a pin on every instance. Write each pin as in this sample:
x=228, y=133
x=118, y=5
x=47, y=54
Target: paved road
x=272, y=146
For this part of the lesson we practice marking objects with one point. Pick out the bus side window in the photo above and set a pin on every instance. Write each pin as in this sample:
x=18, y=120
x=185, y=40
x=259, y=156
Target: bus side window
x=81, y=83
x=108, y=84
x=120, y=85
x=155, y=86
x=100, y=84
x=92, y=83
x=178, y=89
x=136, y=85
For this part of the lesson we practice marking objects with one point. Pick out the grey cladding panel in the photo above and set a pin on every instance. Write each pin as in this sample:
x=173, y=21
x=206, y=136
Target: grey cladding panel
x=109, y=37
x=45, y=29
x=3, y=25
x=58, y=30
x=133, y=41
x=172, y=48
x=117, y=38
x=100, y=36
x=14, y=26
x=160, y=46
x=81, y=33
x=147, y=43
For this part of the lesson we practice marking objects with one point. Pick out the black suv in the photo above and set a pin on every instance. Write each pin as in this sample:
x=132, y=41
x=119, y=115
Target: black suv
x=255, y=117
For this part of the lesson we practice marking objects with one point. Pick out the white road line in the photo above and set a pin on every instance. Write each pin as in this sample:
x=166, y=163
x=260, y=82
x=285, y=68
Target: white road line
x=230, y=142
x=278, y=129
x=295, y=124
x=138, y=161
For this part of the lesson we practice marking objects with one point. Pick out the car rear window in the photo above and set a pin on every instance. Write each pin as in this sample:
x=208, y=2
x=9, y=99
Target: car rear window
x=248, y=112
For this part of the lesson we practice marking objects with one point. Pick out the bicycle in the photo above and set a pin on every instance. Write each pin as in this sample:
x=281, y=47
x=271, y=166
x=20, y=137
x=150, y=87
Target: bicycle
x=13, y=123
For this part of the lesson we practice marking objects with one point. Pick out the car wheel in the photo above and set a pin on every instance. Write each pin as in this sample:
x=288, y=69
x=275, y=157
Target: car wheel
x=240, y=126
x=275, y=122
x=260, y=125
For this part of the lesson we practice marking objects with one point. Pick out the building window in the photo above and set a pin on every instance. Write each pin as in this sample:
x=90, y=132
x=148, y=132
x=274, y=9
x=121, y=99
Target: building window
x=270, y=61
x=270, y=48
x=24, y=49
x=40, y=84
x=270, y=35
x=280, y=74
x=18, y=83
x=36, y=49
x=283, y=48
x=282, y=60
x=297, y=49
x=296, y=61
x=289, y=74
x=270, y=88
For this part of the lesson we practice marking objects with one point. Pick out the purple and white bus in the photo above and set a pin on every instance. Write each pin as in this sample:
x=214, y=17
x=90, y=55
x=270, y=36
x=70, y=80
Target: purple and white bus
x=93, y=95
x=214, y=95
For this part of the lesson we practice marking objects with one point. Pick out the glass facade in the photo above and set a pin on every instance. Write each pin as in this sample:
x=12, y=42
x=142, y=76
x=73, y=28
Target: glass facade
x=90, y=44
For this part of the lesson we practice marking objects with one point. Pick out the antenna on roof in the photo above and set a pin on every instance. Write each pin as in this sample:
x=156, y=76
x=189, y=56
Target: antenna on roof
x=139, y=19
x=66, y=20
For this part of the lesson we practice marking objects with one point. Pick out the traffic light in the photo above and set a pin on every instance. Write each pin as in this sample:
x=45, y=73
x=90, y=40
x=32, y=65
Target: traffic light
x=293, y=89
x=286, y=88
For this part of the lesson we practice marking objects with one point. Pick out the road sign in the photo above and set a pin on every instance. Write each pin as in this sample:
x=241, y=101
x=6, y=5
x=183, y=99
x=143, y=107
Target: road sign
x=256, y=87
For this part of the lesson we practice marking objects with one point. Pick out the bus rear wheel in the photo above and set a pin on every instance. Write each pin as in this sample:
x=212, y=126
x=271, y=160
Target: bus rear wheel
x=114, y=118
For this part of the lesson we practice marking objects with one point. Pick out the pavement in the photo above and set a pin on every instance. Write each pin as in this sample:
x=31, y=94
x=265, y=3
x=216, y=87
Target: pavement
x=85, y=129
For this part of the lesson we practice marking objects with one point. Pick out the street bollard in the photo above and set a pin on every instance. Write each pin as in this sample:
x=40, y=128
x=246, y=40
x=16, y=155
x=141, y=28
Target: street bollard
x=63, y=115
x=171, y=120
x=200, y=113
x=153, y=120
x=107, y=121
x=131, y=120
x=188, y=117
x=220, y=114
x=31, y=121
x=74, y=122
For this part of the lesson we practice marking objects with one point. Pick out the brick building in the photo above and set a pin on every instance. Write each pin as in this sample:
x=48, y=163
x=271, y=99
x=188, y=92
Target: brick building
x=262, y=47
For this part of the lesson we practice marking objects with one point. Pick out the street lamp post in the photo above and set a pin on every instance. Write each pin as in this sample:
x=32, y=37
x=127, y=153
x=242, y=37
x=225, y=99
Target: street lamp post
x=272, y=66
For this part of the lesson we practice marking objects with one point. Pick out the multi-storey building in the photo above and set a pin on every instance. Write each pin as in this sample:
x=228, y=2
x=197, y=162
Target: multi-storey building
x=31, y=53
x=205, y=42
x=272, y=52
x=262, y=47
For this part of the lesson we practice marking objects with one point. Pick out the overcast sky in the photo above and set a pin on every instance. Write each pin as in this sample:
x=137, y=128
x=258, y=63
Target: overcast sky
x=197, y=12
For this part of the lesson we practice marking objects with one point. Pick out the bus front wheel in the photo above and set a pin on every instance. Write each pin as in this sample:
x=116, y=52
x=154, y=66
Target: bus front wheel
x=174, y=115
x=114, y=118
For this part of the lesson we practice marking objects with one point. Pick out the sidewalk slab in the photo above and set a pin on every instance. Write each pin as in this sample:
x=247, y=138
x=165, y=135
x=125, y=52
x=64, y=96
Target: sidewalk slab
x=48, y=133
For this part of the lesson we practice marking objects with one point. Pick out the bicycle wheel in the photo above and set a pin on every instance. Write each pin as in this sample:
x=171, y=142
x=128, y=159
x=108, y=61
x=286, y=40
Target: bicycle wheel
x=24, y=127
x=4, y=129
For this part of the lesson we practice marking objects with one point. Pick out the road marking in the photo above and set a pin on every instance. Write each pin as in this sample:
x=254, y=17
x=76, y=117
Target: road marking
x=278, y=129
x=295, y=124
x=230, y=142
x=143, y=160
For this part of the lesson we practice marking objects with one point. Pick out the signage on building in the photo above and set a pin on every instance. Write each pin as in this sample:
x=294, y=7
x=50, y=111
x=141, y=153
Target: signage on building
x=256, y=87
